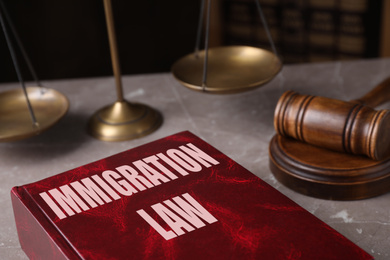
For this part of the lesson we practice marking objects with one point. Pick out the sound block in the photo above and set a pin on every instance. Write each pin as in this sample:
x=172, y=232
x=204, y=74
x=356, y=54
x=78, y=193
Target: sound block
x=326, y=174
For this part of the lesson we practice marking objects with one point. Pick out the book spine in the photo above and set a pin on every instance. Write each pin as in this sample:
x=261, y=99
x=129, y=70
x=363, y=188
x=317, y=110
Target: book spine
x=294, y=40
x=243, y=24
x=307, y=30
x=322, y=30
x=359, y=29
x=37, y=235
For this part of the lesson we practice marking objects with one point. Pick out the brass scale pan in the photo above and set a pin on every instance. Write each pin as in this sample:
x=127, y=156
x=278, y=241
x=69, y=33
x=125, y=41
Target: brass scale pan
x=231, y=69
x=28, y=111
x=228, y=69
x=49, y=107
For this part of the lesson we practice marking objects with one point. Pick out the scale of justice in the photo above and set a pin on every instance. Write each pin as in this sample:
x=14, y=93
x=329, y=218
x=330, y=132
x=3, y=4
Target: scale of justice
x=313, y=169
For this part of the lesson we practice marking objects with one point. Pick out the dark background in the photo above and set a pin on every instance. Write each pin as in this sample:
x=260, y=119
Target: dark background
x=67, y=39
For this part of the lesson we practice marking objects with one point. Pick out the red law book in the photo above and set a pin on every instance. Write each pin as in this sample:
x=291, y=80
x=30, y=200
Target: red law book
x=174, y=198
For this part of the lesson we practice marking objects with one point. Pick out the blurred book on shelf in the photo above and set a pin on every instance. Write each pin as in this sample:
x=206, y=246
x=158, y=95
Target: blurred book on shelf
x=311, y=30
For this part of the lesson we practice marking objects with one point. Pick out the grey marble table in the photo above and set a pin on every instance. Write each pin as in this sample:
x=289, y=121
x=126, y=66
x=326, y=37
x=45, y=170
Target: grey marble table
x=240, y=125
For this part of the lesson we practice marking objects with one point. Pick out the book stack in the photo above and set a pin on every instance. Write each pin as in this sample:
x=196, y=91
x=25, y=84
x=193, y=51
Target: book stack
x=293, y=42
x=307, y=31
x=243, y=26
x=359, y=27
x=322, y=30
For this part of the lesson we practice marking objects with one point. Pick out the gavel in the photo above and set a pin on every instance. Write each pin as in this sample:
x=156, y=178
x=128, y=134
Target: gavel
x=353, y=127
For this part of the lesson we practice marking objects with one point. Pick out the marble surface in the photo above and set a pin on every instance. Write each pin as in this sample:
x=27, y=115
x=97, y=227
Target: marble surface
x=240, y=125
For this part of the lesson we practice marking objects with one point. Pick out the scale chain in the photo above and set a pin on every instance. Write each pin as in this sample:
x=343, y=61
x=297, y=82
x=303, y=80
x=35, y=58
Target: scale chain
x=263, y=20
x=199, y=32
x=17, y=68
x=20, y=44
x=207, y=33
x=206, y=47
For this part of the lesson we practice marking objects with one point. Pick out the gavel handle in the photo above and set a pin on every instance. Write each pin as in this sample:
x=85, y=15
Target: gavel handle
x=377, y=96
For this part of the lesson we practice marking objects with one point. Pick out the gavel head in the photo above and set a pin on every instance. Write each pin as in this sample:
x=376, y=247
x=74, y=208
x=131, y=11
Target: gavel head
x=333, y=124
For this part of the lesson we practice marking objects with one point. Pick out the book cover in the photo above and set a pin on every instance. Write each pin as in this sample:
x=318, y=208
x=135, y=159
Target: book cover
x=174, y=198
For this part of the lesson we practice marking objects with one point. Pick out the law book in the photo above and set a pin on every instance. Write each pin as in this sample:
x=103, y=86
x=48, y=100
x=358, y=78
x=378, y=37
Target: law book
x=359, y=29
x=294, y=43
x=174, y=198
x=321, y=35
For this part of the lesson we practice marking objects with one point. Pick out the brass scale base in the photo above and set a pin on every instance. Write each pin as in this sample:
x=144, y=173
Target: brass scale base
x=326, y=174
x=124, y=121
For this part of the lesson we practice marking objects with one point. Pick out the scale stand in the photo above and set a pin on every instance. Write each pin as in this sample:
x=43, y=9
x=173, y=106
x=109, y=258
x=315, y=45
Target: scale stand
x=228, y=69
x=27, y=112
x=121, y=120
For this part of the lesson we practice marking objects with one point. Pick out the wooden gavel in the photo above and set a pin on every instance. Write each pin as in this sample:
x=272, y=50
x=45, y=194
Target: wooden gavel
x=351, y=127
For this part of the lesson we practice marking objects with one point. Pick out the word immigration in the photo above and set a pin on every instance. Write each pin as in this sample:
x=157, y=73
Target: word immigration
x=126, y=180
